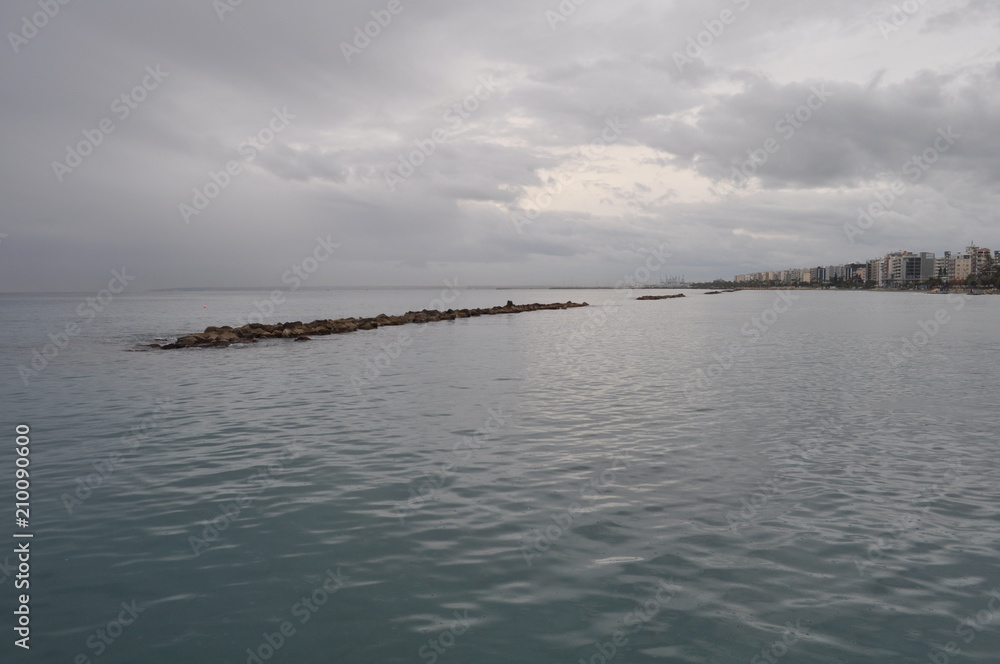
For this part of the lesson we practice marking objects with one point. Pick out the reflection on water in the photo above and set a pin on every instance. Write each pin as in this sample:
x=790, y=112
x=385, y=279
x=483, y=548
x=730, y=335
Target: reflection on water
x=554, y=486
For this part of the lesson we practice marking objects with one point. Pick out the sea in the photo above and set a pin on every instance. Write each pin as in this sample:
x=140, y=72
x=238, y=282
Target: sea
x=759, y=476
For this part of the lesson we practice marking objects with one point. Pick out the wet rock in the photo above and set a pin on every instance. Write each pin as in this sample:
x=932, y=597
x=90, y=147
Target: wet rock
x=660, y=297
x=223, y=336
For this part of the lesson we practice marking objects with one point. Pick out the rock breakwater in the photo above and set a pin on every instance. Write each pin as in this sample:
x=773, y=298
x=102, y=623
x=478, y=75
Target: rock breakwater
x=660, y=297
x=220, y=337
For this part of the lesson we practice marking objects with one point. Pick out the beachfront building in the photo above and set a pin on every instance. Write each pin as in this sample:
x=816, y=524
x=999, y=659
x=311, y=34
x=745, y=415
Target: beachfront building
x=884, y=276
x=872, y=270
x=904, y=268
x=974, y=261
x=963, y=267
x=899, y=269
x=944, y=267
x=981, y=259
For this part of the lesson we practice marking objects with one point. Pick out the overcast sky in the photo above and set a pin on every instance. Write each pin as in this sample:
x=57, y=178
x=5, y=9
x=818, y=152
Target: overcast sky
x=599, y=132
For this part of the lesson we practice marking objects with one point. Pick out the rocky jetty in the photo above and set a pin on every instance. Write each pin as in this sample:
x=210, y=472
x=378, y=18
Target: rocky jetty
x=220, y=337
x=720, y=292
x=660, y=297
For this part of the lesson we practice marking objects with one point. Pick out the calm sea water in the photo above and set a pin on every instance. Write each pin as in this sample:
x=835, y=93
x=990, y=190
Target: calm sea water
x=729, y=478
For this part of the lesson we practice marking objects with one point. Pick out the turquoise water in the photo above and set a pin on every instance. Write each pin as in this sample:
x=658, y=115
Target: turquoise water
x=730, y=478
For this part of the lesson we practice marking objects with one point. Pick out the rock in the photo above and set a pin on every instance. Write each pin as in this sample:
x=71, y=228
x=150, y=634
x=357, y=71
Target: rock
x=660, y=297
x=223, y=336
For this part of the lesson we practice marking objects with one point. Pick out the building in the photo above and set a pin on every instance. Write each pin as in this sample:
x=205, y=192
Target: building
x=905, y=268
x=981, y=259
x=856, y=272
x=899, y=269
x=872, y=270
x=963, y=267
x=944, y=267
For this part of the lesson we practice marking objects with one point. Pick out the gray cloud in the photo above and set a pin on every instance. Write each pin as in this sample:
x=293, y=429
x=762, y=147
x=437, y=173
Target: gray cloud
x=545, y=98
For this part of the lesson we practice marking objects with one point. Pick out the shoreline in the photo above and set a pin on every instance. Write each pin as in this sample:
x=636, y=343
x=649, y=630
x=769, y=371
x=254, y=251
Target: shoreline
x=960, y=291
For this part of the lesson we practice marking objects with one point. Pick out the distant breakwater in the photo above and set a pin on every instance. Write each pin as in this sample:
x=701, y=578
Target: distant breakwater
x=220, y=337
x=660, y=297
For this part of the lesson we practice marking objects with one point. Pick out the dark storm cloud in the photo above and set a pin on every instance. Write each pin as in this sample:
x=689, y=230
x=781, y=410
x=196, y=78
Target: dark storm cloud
x=835, y=134
x=413, y=146
x=971, y=12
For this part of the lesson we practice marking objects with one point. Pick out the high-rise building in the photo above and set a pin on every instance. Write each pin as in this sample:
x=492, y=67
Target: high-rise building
x=908, y=268
x=982, y=259
x=872, y=270
x=963, y=267
x=894, y=270
x=944, y=267
x=857, y=272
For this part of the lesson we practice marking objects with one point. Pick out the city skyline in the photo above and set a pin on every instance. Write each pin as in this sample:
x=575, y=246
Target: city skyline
x=895, y=268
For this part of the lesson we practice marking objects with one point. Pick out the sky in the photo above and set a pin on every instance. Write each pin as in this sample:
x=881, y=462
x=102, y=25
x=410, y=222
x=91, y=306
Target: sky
x=405, y=142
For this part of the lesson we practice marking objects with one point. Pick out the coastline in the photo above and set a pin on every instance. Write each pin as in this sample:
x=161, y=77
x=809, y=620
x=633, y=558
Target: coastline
x=975, y=291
